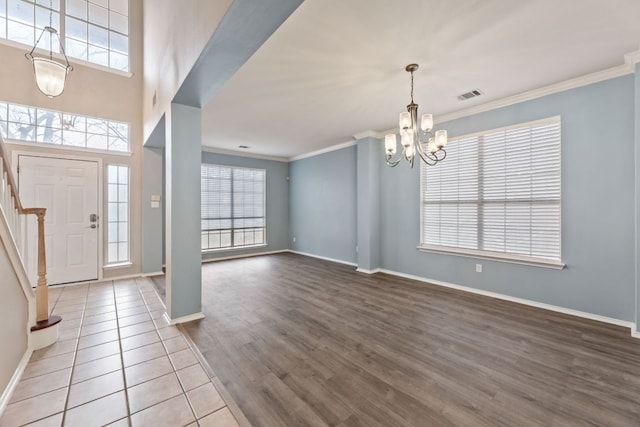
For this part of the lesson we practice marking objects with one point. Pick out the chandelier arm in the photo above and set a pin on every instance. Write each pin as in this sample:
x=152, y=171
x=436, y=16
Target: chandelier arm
x=391, y=162
x=30, y=54
x=428, y=159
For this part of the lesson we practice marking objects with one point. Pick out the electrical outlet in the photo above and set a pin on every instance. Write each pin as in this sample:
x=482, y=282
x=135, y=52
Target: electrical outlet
x=478, y=268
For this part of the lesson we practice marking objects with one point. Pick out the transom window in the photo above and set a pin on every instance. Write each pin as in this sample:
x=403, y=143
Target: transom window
x=497, y=194
x=96, y=31
x=233, y=207
x=31, y=124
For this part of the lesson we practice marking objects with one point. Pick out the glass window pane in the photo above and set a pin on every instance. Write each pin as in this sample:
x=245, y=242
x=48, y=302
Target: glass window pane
x=123, y=175
x=3, y=27
x=118, y=22
x=119, y=61
x=98, y=15
x=20, y=11
x=98, y=36
x=123, y=252
x=42, y=20
x=119, y=42
x=113, y=252
x=123, y=232
x=55, y=4
x=98, y=55
x=76, y=28
x=98, y=142
x=120, y=6
x=113, y=232
x=97, y=126
x=75, y=123
x=77, y=49
x=20, y=33
x=77, y=139
x=123, y=210
x=77, y=8
x=103, y=3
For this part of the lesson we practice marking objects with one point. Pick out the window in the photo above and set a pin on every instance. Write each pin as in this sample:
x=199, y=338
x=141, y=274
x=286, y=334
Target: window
x=32, y=124
x=497, y=194
x=117, y=214
x=233, y=207
x=96, y=31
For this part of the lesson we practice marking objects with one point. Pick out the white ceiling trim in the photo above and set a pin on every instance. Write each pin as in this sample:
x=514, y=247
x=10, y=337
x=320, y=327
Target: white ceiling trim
x=243, y=154
x=323, y=151
x=627, y=68
x=368, y=134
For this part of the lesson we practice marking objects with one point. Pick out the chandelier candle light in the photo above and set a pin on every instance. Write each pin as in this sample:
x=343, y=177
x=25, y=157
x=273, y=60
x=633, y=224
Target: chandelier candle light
x=421, y=140
x=50, y=75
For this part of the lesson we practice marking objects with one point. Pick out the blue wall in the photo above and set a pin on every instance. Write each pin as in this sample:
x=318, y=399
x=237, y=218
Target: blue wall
x=322, y=213
x=597, y=207
x=277, y=202
x=598, y=216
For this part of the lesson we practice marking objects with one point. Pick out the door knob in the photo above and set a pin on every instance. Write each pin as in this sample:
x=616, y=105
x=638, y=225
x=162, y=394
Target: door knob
x=93, y=226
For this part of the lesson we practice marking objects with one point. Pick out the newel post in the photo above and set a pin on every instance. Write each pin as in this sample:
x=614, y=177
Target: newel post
x=42, y=290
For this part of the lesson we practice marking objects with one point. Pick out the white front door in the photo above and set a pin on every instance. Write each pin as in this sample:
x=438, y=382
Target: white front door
x=69, y=191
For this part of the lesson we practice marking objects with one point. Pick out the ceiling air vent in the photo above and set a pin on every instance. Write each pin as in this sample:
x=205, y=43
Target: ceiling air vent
x=469, y=95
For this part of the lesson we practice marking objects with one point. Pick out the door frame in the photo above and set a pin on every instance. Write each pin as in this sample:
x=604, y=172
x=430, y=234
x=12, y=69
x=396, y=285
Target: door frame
x=15, y=155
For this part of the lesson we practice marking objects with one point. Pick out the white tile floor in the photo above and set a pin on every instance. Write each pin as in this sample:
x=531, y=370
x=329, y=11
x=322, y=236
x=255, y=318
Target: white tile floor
x=117, y=363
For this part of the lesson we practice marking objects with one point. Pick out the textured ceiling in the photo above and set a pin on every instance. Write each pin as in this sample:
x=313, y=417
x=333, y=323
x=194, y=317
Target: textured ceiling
x=335, y=68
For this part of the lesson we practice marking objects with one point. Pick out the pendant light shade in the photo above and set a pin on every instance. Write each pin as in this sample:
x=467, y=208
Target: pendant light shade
x=50, y=76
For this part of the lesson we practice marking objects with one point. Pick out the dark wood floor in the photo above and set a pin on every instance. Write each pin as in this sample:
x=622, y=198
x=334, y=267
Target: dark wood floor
x=299, y=341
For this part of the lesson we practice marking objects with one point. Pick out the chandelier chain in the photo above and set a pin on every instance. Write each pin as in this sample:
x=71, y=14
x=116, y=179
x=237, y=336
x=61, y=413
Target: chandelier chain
x=412, y=87
x=50, y=26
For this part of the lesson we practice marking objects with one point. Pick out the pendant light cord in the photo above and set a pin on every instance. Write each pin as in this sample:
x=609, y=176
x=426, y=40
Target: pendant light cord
x=50, y=26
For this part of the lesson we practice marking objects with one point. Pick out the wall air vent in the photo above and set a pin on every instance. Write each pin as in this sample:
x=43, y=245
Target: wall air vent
x=470, y=94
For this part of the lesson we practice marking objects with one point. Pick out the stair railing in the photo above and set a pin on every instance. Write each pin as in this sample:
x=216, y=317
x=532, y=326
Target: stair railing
x=15, y=215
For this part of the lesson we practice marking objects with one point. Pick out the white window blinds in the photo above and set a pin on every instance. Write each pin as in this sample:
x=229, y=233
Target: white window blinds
x=233, y=207
x=497, y=191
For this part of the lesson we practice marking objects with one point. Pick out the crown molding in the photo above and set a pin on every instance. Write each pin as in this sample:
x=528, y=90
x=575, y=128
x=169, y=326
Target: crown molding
x=243, y=154
x=627, y=68
x=323, y=151
x=368, y=134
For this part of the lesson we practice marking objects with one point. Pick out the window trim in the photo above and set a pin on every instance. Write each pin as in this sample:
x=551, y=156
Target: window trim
x=264, y=194
x=486, y=254
x=119, y=263
x=85, y=149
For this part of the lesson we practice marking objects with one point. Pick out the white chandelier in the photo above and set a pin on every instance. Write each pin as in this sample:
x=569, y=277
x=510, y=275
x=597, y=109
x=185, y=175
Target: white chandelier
x=50, y=75
x=421, y=140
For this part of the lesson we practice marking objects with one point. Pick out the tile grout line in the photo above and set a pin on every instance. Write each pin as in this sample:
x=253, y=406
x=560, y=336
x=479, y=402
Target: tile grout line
x=75, y=353
x=124, y=376
x=173, y=367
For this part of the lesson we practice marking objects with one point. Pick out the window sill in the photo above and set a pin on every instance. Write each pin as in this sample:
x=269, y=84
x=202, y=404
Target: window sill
x=118, y=265
x=494, y=256
x=233, y=249
x=68, y=148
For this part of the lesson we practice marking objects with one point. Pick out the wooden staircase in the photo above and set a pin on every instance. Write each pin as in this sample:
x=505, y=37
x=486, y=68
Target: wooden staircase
x=44, y=330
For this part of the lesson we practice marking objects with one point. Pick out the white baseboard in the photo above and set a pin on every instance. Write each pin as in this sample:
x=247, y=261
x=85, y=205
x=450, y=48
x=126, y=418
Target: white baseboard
x=362, y=270
x=183, y=319
x=15, y=379
x=224, y=258
x=531, y=303
x=339, y=261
